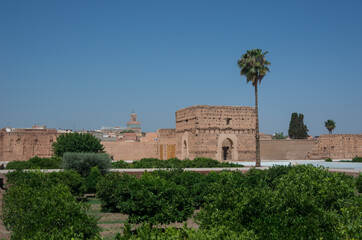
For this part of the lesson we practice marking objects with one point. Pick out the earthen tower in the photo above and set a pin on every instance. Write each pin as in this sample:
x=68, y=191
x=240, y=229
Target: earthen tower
x=219, y=132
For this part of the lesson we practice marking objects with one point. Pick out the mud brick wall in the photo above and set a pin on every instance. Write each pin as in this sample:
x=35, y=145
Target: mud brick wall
x=23, y=144
x=337, y=146
x=131, y=150
x=219, y=132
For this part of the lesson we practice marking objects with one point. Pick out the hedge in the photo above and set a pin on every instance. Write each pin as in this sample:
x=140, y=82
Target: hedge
x=175, y=163
x=36, y=163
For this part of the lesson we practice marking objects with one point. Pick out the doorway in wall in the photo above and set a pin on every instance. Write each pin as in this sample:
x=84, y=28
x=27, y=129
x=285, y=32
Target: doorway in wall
x=226, y=147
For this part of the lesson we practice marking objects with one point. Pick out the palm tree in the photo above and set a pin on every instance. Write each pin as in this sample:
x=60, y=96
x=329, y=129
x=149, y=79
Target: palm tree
x=253, y=66
x=330, y=125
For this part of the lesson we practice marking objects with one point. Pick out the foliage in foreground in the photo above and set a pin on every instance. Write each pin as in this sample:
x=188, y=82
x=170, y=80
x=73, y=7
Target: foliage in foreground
x=359, y=183
x=302, y=203
x=174, y=163
x=36, y=163
x=357, y=159
x=196, y=183
x=150, y=198
x=77, y=142
x=92, y=179
x=36, y=179
x=84, y=162
x=147, y=232
x=33, y=211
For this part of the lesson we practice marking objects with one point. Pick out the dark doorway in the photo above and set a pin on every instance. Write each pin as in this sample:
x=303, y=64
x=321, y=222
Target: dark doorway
x=226, y=147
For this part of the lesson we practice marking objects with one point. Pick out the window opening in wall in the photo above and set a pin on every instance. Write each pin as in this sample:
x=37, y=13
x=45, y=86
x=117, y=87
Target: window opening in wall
x=228, y=120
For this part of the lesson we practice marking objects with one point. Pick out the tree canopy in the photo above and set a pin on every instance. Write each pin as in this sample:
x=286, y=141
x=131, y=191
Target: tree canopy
x=77, y=142
x=330, y=125
x=297, y=128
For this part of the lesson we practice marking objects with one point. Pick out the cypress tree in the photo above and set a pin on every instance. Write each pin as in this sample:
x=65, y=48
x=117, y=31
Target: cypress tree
x=297, y=128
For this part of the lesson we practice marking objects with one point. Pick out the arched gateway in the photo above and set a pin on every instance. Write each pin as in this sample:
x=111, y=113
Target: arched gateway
x=227, y=146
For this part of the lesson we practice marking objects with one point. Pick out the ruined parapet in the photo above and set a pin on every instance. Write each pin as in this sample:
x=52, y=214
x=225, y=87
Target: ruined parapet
x=25, y=143
x=337, y=146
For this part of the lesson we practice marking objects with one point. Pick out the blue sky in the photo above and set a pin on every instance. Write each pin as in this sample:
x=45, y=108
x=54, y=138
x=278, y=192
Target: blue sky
x=88, y=64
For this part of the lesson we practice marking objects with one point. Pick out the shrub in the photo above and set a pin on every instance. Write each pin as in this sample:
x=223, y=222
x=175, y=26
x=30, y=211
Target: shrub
x=357, y=159
x=77, y=142
x=359, y=183
x=83, y=162
x=71, y=178
x=36, y=162
x=35, y=179
x=45, y=212
x=149, y=163
x=155, y=200
x=19, y=165
x=46, y=163
x=92, y=180
x=303, y=203
x=107, y=190
x=149, y=198
x=174, y=163
x=147, y=232
x=120, y=164
x=196, y=183
x=328, y=160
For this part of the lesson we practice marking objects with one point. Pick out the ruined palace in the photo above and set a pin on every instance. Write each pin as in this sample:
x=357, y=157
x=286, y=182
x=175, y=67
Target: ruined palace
x=219, y=132
x=225, y=133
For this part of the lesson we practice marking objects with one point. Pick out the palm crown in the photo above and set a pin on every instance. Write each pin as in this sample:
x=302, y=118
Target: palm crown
x=330, y=125
x=253, y=65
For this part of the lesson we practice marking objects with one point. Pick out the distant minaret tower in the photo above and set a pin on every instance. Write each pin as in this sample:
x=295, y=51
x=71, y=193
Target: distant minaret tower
x=133, y=124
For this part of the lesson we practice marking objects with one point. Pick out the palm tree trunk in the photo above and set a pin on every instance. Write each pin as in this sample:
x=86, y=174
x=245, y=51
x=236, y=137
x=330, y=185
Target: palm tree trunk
x=257, y=140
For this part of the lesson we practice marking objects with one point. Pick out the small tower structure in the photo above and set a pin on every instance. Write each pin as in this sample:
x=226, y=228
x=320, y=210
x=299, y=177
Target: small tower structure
x=134, y=125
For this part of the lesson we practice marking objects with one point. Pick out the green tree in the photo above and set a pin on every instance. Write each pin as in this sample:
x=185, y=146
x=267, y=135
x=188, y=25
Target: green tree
x=92, y=180
x=77, y=142
x=253, y=66
x=330, y=125
x=297, y=128
x=279, y=136
x=45, y=211
x=285, y=202
x=84, y=162
x=148, y=199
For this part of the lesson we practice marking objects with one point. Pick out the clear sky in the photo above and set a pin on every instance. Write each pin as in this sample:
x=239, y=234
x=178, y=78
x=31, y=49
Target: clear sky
x=88, y=64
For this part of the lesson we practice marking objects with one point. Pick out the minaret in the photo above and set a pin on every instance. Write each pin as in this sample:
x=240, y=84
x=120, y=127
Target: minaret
x=133, y=124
